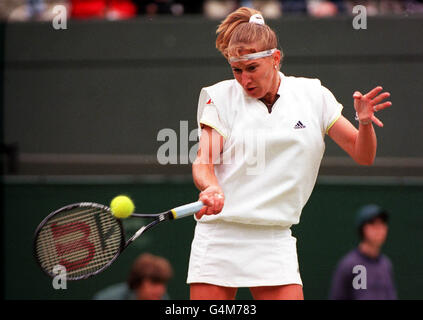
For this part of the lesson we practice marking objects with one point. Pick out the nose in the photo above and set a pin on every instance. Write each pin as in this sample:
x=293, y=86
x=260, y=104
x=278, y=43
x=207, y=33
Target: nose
x=245, y=79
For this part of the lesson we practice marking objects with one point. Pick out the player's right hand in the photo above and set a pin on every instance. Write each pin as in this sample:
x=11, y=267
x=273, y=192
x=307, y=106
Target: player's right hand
x=213, y=199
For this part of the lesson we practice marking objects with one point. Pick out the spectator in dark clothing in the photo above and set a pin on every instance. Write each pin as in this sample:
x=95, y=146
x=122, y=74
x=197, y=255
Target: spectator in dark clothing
x=365, y=273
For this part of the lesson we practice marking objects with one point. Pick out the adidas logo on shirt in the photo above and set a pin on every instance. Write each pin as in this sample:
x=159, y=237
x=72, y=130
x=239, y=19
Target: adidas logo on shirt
x=299, y=125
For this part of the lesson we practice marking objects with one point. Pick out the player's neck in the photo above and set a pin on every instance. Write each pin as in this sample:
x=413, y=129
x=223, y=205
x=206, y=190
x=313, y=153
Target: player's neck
x=270, y=98
x=369, y=249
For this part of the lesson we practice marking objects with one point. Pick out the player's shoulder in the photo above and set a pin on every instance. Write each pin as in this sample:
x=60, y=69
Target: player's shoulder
x=224, y=86
x=223, y=93
x=304, y=88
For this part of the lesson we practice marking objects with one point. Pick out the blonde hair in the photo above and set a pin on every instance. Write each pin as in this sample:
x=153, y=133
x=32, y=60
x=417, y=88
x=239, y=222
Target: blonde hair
x=235, y=33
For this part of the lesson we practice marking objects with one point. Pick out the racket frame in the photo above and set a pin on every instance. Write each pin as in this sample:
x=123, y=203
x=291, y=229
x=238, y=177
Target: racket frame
x=159, y=217
x=175, y=213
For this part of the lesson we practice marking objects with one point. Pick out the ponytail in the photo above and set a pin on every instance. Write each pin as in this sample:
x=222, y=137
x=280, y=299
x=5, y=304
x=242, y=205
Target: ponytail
x=237, y=33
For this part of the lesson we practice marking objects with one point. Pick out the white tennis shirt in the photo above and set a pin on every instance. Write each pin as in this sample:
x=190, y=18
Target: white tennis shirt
x=270, y=161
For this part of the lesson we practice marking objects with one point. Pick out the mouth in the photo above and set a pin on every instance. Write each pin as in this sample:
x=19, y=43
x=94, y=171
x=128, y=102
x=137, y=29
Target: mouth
x=249, y=90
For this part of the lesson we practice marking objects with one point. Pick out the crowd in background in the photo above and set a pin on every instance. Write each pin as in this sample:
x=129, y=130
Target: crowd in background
x=42, y=10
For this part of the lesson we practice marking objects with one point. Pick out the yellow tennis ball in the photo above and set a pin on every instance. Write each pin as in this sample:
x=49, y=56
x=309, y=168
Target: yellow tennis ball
x=122, y=206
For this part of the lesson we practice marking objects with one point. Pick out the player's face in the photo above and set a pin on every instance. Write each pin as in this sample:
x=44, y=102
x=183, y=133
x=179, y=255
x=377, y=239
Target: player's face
x=257, y=77
x=376, y=231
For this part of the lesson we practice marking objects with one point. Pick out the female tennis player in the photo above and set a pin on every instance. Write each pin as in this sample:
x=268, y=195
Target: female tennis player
x=261, y=144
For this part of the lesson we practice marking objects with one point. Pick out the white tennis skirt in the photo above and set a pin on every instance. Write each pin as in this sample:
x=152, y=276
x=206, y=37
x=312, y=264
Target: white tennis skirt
x=239, y=255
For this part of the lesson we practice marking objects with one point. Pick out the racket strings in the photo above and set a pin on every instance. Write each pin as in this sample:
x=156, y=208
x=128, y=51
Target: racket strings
x=83, y=240
x=78, y=253
x=75, y=254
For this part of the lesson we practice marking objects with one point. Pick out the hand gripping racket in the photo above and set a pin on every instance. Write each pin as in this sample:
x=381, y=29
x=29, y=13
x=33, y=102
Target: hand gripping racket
x=85, y=238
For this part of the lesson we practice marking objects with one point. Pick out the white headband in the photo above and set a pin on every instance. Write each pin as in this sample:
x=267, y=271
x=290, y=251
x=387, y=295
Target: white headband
x=252, y=56
x=257, y=18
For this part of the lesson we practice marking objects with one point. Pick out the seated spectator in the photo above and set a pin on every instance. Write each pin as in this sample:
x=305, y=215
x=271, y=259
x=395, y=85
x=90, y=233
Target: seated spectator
x=159, y=7
x=121, y=9
x=324, y=8
x=270, y=9
x=27, y=10
x=294, y=6
x=321, y=8
x=219, y=9
x=413, y=6
x=147, y=280
x=378, y=7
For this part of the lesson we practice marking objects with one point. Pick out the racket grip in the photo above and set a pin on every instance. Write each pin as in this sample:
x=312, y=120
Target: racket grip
x=187, y=209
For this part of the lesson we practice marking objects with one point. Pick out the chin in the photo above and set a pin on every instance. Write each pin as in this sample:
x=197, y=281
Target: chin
x=255, y=94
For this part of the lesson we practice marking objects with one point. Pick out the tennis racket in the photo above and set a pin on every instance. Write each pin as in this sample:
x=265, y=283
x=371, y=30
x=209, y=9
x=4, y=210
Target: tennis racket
x=85, y=238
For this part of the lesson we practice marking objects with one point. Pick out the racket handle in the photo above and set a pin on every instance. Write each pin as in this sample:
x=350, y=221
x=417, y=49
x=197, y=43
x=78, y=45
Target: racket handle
x=186, y=210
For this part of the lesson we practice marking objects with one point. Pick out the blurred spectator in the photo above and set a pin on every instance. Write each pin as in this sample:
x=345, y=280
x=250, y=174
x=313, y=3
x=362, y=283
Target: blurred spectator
x=316, y=8
x=25, y=10
x=325, y=8
x=271, y=9
x=156, y=7
x=110, y=9
x=377, y=281
x=121, y=9
x=413, y=6
x=42, y=10
x=321, y=8
x=192, y=7
x=219, y=9
x=147, y=280
x=294, y=6
x=381, y=7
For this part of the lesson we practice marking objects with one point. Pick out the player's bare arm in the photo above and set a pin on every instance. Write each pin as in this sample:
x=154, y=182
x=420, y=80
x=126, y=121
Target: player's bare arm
x=209, y=150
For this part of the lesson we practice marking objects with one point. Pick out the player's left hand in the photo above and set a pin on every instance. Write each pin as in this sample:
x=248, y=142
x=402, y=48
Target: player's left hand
x=370, y=103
